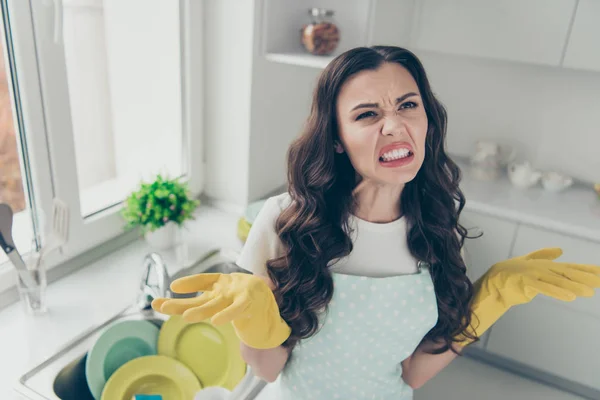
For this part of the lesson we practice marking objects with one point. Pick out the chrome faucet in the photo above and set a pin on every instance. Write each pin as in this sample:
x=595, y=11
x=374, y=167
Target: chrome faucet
x=149, y=291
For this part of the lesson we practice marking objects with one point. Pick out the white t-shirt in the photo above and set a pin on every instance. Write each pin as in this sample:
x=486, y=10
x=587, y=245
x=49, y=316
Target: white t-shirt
x=380, y=250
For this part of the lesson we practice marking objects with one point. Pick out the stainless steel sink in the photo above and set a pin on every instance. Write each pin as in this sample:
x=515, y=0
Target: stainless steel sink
x=62, y=376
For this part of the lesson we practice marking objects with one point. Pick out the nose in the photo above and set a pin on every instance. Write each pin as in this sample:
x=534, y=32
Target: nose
x=392, y=125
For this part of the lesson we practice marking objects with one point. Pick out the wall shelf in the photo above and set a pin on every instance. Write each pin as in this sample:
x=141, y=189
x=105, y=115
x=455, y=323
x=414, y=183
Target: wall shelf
x=301, y=59
x=284, y=19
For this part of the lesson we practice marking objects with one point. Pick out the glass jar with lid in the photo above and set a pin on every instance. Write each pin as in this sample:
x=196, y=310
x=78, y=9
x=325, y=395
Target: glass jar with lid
x=321, y=36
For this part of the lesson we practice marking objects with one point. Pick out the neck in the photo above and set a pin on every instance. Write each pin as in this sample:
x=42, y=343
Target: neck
x=376, y=202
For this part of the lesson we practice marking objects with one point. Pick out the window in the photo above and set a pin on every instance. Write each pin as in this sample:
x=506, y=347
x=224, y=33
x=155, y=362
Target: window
x=109, y=94
x=16, y=177
x=124, y=87
x=12, y=186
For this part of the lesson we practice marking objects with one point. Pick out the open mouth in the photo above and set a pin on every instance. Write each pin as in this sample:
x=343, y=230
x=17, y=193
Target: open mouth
x=396, y=157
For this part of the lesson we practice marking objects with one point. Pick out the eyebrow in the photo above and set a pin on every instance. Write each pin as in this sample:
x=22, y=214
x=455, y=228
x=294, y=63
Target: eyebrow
x=398, y=100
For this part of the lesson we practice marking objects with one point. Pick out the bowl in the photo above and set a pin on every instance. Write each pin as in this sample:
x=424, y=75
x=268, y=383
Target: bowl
x=555, y=181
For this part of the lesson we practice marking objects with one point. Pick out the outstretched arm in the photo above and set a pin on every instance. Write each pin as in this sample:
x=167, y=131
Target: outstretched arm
x=506, y=284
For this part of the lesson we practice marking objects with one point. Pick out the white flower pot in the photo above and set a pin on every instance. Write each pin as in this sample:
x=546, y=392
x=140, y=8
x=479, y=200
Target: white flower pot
x=163, y=238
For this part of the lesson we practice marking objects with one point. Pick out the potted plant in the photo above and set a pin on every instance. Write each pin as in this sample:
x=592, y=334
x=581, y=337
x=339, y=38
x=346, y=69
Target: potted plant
x=160, y=208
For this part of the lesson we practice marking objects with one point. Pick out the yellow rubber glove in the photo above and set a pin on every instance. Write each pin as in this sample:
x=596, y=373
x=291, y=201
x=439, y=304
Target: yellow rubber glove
x=244, y=300
x=518, y=280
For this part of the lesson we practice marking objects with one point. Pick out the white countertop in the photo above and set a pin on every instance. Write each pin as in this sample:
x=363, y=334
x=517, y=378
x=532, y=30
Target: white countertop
x=91, y=295
x=97, y=292
x=575, y=211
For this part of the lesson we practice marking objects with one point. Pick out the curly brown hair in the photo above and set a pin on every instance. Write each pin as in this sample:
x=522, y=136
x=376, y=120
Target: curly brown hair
x=314, y=228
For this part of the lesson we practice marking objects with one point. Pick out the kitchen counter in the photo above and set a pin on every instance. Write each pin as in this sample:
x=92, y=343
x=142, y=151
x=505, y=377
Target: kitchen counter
x=93, y=294
x=574, y=212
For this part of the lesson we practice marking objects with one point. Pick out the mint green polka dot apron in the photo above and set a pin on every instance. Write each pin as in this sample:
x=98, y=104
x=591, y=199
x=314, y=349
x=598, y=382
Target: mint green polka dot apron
x=372, y=325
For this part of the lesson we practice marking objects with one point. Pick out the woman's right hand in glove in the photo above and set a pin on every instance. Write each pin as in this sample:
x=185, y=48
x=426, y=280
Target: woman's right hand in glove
x=244, y=300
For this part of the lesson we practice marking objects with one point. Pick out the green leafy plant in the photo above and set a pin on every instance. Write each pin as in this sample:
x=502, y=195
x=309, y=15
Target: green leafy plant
x=154, y=204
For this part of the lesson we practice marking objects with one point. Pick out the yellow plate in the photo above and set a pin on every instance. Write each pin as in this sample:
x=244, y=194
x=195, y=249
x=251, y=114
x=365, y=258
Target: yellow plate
x=211, y=352
x=152, y=375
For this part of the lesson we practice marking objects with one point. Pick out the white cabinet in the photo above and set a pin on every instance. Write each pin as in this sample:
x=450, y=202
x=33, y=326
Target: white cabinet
x=490, y=248
x=550, y=338
x=583, y=49
x=481, y=253
x=556, y=337
x=574, y=250
x=532, y=31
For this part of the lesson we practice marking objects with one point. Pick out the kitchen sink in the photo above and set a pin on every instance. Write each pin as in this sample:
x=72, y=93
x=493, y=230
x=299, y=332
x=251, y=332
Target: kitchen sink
x=62, y=376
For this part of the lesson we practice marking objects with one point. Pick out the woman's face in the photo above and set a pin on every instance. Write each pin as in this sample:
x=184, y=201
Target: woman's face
x=382, y=124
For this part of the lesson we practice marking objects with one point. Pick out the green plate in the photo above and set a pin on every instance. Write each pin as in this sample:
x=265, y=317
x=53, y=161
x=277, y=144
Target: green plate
x=211, y=352
x=118, y=344
x=158, y=375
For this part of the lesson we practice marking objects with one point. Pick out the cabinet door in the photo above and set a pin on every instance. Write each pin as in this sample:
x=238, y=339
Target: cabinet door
x=550, y=338
x=481, y=253
x=556, y=337
x=583, y=49
x=518, y=30
x=575, y=250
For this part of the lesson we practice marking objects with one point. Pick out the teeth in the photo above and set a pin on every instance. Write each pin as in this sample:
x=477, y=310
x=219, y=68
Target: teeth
x=395, y=154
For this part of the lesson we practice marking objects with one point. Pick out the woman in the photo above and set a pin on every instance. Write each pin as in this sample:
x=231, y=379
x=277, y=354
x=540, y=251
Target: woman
x=359, y=288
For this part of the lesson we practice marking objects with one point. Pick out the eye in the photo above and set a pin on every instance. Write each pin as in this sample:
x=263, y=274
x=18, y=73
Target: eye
x=366, y=115
x=408, y=104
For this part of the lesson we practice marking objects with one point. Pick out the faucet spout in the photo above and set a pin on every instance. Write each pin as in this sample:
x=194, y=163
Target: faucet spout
x=153, y=263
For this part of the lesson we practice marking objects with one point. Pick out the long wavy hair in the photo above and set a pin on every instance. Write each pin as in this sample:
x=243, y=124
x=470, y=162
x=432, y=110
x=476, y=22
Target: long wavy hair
x=314, y=229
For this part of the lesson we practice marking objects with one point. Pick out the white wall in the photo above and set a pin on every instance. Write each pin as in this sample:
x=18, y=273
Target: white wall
x=549, y=113
x=228, y=41
x=281, y=98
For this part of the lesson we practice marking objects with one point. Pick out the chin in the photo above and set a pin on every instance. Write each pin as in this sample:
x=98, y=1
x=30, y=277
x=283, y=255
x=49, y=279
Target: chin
x=399, y=176
x=404, y=178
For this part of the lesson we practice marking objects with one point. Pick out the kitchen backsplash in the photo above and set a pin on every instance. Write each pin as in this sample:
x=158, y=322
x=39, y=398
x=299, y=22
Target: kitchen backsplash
x=549, y=114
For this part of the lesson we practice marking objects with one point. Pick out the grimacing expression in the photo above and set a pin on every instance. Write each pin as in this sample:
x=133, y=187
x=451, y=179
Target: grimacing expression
x=382, y=124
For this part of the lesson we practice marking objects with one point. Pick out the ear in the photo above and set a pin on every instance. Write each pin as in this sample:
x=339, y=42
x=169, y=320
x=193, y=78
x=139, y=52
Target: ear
x=338, y=147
